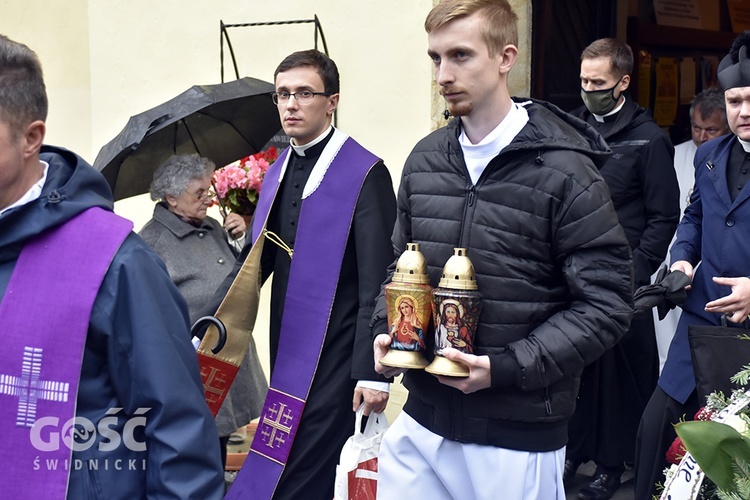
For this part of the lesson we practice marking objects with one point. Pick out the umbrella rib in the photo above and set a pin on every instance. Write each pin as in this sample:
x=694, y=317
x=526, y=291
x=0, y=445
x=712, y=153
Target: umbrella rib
x=187, y=129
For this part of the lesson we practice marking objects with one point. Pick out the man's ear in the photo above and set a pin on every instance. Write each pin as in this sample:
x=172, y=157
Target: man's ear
x=33, y=137
x=333, y=103
x=508, y=58
x=624, y=83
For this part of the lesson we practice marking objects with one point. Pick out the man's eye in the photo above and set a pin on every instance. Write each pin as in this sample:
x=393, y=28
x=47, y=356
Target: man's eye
x=284, y=95
x=305, y=94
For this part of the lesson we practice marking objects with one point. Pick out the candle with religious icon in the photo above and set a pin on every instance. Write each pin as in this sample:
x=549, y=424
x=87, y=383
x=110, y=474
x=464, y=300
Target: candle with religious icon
x=457, y=304
x=408, y=298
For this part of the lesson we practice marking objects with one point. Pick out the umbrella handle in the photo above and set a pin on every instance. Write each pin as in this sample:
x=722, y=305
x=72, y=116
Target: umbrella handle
x=222, y=208
x=198, y=325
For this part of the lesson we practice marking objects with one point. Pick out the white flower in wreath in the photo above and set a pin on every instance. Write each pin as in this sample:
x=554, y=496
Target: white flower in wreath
x=739, y=423
x=671, y=471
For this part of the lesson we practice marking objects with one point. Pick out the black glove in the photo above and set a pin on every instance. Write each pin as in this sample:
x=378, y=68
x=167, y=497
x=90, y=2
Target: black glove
x=667, y=292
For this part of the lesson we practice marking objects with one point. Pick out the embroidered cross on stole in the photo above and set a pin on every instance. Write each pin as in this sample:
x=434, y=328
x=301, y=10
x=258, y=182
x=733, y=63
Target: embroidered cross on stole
x=45, y=314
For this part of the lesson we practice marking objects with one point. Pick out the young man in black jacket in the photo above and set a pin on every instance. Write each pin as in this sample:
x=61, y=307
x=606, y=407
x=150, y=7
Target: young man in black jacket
x=516, y=183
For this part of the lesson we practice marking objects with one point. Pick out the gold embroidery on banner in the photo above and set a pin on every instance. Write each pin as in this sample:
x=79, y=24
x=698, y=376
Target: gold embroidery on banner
x=213, y=393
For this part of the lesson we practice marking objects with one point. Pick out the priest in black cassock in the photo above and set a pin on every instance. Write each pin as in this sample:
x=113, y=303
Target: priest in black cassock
x=327, y=181
x=615, y=388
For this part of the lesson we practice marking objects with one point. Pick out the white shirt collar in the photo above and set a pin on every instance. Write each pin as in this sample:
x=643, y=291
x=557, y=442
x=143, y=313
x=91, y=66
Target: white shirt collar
x=300, y=150
x=504, y=132
x=33, y=193
x=745, y=145
x=477, y=156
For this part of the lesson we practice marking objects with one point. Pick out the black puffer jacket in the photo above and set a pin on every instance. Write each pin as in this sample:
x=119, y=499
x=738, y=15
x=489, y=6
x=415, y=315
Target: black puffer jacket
x=551, y=260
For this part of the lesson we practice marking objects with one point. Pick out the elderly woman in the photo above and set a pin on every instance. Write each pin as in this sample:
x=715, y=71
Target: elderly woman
x=198, y=254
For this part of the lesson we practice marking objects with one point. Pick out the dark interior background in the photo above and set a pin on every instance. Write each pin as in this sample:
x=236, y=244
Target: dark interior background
x=563, y=28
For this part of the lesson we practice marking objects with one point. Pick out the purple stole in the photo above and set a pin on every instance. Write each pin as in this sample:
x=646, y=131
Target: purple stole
x=323, y=230
x=45, y=315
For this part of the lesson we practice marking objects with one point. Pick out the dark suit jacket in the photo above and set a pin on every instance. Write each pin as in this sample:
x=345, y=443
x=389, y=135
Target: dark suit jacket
x=713, y=232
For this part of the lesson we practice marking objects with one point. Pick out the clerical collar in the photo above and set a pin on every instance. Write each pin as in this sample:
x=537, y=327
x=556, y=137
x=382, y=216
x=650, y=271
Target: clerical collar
x=300, y=150
x=745, y=145
x=601, y=118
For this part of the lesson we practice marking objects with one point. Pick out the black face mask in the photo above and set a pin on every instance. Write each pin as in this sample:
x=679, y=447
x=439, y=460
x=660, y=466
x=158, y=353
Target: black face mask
x=600, y=102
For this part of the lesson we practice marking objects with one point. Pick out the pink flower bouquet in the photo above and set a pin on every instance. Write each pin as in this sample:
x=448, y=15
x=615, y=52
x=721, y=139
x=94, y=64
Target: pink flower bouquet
x=238, y=184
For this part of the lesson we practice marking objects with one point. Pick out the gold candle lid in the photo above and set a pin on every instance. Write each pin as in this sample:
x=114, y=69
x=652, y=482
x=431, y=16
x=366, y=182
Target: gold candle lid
x=411, y=266
x=458, y=272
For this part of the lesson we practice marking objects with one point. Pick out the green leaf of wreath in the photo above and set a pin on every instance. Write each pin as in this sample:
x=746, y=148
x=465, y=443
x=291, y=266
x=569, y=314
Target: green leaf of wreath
x=717, y=448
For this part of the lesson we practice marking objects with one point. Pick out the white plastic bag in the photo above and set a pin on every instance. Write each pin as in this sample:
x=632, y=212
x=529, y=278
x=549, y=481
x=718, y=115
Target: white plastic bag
x=357, y=472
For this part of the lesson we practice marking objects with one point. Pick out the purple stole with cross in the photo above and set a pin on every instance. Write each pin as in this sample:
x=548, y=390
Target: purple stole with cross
x=45, y=315
x=328, y=203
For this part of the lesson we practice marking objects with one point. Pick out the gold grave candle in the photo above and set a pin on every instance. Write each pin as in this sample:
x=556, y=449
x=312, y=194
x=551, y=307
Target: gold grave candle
x=409, y=301
x=457, y=304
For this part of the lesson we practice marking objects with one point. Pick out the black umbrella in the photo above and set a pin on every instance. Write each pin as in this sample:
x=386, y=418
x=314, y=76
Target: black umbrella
x=222, y=122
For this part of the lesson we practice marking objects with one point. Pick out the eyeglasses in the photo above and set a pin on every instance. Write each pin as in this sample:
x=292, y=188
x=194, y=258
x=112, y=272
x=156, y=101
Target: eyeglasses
x=203, y=194
x=302, y=96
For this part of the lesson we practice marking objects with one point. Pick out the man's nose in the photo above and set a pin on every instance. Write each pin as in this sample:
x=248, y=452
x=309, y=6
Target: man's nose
x=442, y=74
x=292, y=102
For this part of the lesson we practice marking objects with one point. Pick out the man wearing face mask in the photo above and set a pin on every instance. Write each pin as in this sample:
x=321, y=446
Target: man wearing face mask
x=642, y=181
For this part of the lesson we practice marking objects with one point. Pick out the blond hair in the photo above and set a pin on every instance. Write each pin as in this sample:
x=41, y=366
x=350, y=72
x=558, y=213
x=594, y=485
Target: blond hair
x=499, y=22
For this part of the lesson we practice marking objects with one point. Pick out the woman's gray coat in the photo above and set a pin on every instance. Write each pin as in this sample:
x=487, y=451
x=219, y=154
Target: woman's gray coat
x=198, y=259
